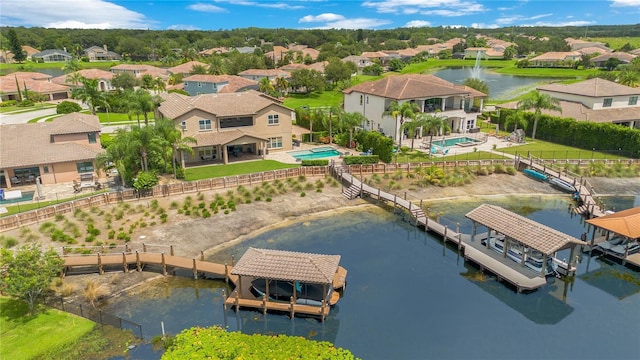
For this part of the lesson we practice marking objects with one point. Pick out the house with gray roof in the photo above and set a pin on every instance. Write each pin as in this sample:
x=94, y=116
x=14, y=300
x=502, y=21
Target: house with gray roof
x=97, y=53
x=59, y=151
x=229, y=126
x=596, y=100
x=215, y=84
x=430, y=93
x=52, y=55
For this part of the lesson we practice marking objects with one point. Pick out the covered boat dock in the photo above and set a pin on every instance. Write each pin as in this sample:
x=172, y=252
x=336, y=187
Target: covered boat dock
x=625, y=223
x=531, y=234
x=298, y=270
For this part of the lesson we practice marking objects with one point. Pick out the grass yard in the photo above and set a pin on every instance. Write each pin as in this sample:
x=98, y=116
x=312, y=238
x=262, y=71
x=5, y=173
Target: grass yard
x=547, y=150
x=119, y=117
x=25, y=336
x=215, y=171
x=18, y=208
x=20, y=110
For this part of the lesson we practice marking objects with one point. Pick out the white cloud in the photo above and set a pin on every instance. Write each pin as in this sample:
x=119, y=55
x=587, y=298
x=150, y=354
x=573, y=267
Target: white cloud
x=264, y=4
x=447, y=8
x=206, y=8
x=85, y=14
x=560, y=23
x=517, y=18
x=484, y=26
x=321, y=18
x=626, y=3
x=352, y=23
x=417, y=23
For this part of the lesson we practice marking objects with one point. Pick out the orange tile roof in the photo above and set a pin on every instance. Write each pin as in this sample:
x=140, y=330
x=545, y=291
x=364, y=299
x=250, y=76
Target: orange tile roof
x=86, y=73
x=411, y=86
x=625, y=222
x=186, y=67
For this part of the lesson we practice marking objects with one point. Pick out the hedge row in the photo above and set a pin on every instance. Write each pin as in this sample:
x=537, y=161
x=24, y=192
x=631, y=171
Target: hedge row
x=357, y=160
x=315, y=162
x=581, y=134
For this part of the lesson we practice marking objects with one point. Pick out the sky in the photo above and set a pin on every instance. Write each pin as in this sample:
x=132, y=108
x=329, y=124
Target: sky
x=314, y=14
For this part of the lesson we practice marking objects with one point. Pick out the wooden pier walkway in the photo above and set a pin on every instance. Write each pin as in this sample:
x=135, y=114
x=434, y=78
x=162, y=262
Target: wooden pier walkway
x=589, y=205
x=128, y=258
x=523, y=279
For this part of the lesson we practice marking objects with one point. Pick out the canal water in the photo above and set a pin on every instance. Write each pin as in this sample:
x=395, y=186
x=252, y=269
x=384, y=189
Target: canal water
x=410, y=297
x=501, y=87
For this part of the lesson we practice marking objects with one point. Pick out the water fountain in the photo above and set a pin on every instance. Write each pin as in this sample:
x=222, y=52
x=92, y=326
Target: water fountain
x=477, y=70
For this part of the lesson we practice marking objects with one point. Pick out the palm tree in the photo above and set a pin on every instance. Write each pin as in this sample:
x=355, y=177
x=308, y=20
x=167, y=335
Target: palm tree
x=318, y=116
x=411, y=127
x=328, y=121
x=433, y=124
x=266, y=86
x=74, y=78
x=144, y=141
x=629, y=78
x=198, y=70
x=90, y=95
x=349, y=121
x=282, y=85
x=537, y=101
x=517, y=118
x=173, y=141
x=402, y=111
x=159, y=85
x=146, y=103
x=72, y=65
x=216, y=66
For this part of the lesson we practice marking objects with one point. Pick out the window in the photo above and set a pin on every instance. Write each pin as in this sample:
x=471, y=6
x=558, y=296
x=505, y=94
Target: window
x=633, y=100
x=470, y=124
x=361, y=99
x=607, y=102
x=273, y=120
x=183, y=126
x=204, y=124
x=236, y=122
x=85, y=167
x=45, y=169
x=199, y=84
x=92, y=138
x=275, y=142
x=367, y=99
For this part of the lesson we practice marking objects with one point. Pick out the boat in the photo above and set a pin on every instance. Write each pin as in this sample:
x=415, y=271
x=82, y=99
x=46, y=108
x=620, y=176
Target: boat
x=562, y=185
x=533, y=258
x=306, y=294
x=535, y=175
x=608, y=244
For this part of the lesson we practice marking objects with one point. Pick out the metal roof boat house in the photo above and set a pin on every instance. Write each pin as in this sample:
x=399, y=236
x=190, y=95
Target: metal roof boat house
x=287, y=281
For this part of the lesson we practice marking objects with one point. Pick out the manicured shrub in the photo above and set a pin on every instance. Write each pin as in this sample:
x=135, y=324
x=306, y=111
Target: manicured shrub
x=68, y=107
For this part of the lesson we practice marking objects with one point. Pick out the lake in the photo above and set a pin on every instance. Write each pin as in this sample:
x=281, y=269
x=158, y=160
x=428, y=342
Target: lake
x=501, y=87
x=410, y=297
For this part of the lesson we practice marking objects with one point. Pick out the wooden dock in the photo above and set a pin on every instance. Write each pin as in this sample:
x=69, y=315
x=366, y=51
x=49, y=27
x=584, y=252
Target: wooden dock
x=521, y=278
x=589, y=207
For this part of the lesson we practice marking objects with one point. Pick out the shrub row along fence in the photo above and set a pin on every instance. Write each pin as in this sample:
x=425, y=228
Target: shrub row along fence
x=96, y=315
x=45, y=213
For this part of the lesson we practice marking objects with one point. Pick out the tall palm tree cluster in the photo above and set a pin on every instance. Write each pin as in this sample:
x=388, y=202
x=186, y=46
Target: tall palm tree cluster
x=147, y=149
x=334, y=120
x=411, y=120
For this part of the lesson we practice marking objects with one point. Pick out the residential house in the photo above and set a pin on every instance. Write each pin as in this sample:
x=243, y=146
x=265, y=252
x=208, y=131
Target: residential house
x=32, y=81
x=595, y=100
x=245, y=49
x=103, y=77
x=139, y=70
x=216, y=84
x=635, y=52
x=623, y=57
x=97, y=53
x=6, y=56
x=186, y=68
x=430, y=93
x=360, y=61
x=592, y=50
x=577, y=44
x=212, y=51
x=259, y=74
x=374, y=56
x=52, y=55
x=59, y=151
x=229, y=126
x=495, y=52
x=555, y=59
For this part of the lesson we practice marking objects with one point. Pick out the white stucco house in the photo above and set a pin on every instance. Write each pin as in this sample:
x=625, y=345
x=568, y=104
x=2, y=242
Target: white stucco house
x=595, y=100
x=429, y=92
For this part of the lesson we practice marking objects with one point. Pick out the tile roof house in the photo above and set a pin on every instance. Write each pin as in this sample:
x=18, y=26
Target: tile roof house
x=229, y=126
x=57, y=151
x=140, y=70
x=52, y=55
x=360, y=61
x=97, y=53
x=429, y=92
x=623, y=57
x=103, y=77
x=595, y=100
x=212, y=51
x=216, y=84
x=577, y=44
x=186, y=68
x=259, y=74
x=555, y=59
x=36, y=82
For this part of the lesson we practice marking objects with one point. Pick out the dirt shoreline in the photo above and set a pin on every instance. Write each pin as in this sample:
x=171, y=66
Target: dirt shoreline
x=190, y=237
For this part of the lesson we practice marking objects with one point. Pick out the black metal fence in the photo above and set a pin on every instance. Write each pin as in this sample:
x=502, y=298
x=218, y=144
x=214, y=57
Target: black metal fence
x=97, y=316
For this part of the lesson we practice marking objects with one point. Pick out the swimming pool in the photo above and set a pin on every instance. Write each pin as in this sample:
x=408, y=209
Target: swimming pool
x=455, y=141
x=26, y=196
x=316, y=153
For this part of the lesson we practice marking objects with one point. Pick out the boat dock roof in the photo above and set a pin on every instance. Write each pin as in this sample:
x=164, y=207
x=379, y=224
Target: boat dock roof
x=287, y=266
x=528, y=232
x=625, y=222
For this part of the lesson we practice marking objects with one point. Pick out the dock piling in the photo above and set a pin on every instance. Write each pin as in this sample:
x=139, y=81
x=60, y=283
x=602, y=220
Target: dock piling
x=195, y=269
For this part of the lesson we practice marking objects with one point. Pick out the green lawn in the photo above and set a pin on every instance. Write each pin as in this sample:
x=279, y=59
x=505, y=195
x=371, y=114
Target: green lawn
x=119, y=117
x=32, y=66
x=20, y=110
x=547, y=150
x=18, y=208
x=215, y=171
x=25, y=336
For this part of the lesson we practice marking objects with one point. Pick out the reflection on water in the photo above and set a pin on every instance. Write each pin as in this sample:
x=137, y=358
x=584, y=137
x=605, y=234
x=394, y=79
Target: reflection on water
x=409, y=296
